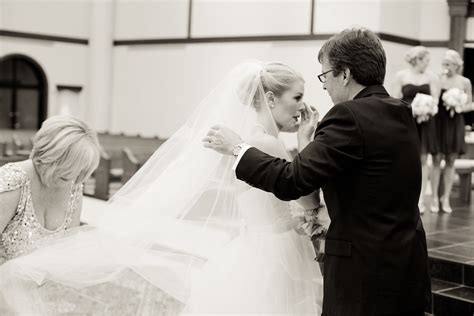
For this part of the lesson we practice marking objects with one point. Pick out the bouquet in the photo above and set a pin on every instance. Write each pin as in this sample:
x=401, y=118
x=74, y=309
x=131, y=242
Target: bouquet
x=423, y=107
x=313, y=224
x=454, y=100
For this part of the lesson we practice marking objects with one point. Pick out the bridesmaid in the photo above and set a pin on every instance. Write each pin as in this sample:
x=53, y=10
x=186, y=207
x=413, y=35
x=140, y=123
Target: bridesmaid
x=451, y=127
x=408, y=82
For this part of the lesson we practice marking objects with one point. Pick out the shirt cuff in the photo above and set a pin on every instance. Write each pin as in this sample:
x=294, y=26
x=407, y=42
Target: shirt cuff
x=244, y=147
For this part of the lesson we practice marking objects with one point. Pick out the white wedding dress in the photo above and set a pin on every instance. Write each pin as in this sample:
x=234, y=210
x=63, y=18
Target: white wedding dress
x=268, y=268
x=183, y=236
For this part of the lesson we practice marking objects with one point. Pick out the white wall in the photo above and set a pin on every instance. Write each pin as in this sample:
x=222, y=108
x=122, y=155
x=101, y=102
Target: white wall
x=332, y=16
x=68, y=102
x=400, y=17
x=141, y=19
x=245, y=17
x=434, y=20
x=156, y=87
x=52, y=17
x=63, y=64
x=1, y=14
x=470, y=29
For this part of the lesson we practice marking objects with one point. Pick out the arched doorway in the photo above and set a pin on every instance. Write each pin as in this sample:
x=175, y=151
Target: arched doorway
x=23, y=93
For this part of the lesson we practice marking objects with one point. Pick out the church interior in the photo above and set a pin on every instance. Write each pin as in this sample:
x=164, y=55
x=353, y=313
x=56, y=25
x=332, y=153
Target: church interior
x=134, y=70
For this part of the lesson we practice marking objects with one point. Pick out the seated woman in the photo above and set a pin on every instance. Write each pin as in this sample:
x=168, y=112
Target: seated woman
x=41, y=197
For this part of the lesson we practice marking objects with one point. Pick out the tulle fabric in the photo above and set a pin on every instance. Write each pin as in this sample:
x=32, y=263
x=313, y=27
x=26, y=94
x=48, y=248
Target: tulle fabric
x=182, y=236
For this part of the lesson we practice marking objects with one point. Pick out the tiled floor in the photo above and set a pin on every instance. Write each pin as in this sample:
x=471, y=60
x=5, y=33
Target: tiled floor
x=451, y=236
x=450, y=239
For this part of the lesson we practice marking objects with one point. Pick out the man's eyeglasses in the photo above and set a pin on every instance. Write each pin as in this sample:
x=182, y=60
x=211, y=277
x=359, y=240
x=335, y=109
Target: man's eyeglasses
x=322, y=77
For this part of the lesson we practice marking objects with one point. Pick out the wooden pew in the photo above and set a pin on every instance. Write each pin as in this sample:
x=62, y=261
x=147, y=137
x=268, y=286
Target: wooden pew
x=130, y=164
x=3, y=149
x=19, y=148
x=7, y=155
x=464, y=169
x=104, y=175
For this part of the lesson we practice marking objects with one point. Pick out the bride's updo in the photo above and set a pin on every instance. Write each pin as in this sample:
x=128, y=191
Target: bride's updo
x=277, y=78
x=273, y=76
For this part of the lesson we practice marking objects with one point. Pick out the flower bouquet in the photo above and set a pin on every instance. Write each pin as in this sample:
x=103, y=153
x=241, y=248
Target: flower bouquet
x=423, y=107
x=454, y=100
x=312, y=223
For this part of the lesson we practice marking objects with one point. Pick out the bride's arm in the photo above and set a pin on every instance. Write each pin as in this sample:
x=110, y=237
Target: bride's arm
x=310, y=201
x=272, y=146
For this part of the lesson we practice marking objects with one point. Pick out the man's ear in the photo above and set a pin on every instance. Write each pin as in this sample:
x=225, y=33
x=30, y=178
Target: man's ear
x=346, y=76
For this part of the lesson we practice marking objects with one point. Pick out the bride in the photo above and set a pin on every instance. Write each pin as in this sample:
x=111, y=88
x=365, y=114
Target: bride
x=184, y=235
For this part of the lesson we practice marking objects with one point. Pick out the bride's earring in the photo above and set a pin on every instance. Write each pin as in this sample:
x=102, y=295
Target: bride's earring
x=270, y=99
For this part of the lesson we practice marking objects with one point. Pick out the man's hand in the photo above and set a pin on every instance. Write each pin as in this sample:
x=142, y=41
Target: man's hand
x=221, y=139
x=309, y=119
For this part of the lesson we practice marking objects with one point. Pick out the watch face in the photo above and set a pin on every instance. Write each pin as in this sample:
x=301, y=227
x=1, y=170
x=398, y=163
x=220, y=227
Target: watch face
x=236, y=150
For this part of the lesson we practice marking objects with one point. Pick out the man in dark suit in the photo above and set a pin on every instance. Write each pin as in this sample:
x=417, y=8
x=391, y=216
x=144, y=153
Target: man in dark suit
x=365, y=156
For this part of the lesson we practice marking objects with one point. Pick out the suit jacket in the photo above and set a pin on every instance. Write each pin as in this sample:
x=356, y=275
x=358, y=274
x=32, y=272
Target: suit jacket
x=366, y=158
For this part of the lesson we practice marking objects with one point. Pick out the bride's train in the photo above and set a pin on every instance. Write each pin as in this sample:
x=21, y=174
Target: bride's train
x=264, y=269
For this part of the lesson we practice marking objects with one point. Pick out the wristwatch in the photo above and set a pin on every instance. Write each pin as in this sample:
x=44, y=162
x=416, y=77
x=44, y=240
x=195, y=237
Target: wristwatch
x=237, y=149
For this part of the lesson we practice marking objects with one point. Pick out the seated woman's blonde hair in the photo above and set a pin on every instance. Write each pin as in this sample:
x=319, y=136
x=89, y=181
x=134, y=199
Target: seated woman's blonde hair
x=65, y=149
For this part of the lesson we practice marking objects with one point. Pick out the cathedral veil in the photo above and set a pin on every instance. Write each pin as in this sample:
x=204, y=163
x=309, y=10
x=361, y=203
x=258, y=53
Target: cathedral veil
x=184, y=198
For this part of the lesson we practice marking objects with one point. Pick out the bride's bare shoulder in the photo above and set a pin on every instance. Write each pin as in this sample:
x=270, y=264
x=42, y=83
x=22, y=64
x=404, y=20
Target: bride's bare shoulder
x=266, y=143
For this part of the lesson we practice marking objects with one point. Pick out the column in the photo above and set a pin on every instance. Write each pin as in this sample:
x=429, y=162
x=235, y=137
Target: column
x=99, y=105
x=458, y=12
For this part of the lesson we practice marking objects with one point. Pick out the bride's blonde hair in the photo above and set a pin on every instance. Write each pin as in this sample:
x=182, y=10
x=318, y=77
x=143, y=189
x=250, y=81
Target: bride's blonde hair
x=277, y=78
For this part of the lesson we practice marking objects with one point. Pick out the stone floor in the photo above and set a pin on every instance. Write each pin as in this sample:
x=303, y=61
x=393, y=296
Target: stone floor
x=450, y=239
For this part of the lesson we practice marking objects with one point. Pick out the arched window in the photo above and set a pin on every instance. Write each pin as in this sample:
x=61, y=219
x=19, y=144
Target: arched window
x=23, y=93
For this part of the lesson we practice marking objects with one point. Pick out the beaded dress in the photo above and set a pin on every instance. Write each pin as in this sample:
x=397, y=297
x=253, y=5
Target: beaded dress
x=24, y=232
x=52, y=258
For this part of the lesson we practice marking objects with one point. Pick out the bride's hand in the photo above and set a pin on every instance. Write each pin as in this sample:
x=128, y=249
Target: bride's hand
x=221, y=139
x=309, y=119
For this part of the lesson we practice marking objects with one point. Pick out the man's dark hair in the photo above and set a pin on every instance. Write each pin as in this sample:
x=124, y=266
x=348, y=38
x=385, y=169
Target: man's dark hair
x=361, y=51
